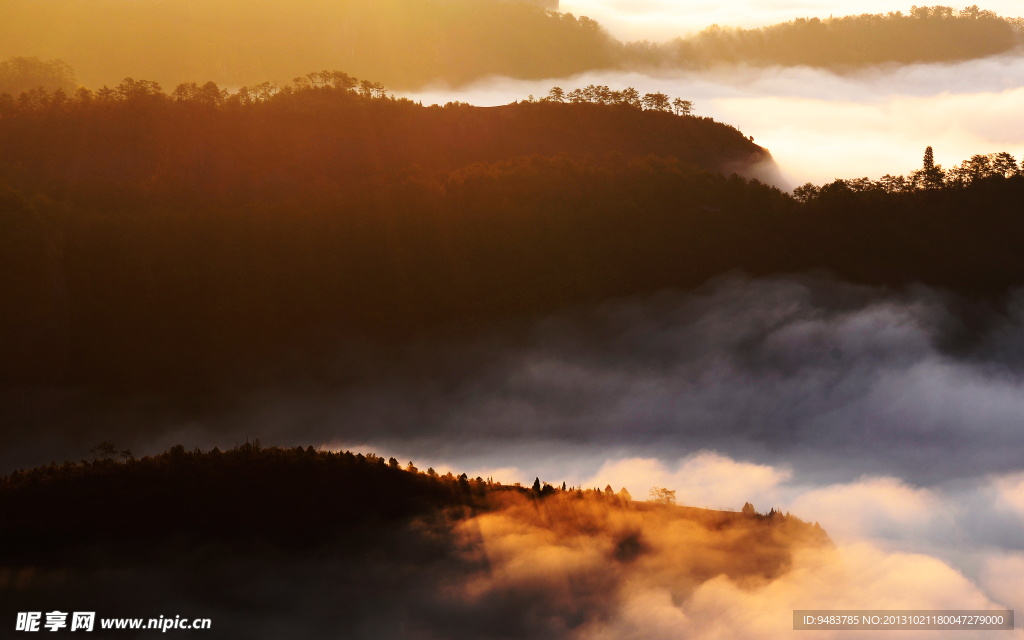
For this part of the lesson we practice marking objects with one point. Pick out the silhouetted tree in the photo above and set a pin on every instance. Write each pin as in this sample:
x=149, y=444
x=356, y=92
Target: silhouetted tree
x=103, y=450
x=1004, y=164
x=682, y=107
x=209, y=94
x=656, y=102
x=343, y=81
x=661, y=495
x=131, y=89
x=931, y=175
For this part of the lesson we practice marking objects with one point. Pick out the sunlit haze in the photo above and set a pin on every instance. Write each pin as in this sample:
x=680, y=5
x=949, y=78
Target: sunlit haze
x=666, y=19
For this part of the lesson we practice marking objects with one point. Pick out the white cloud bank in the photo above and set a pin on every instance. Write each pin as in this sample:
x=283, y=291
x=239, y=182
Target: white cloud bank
x=705, y=479
x=857, y=576
x=877, y=523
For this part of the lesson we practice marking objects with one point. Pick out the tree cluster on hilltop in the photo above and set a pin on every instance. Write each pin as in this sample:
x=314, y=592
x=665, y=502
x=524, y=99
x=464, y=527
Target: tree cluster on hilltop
x=602, y=94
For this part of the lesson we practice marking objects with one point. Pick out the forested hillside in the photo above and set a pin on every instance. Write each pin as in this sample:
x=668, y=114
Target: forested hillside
x=151, y=242
x=180, y=237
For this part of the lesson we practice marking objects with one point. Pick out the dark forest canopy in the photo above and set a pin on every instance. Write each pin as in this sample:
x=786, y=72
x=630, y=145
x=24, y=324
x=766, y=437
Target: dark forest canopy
x=154, y=243
x=290, y=497
x=411, y=43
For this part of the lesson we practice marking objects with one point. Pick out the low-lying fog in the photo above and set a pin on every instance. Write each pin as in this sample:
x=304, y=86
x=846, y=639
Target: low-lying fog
x=819, y=125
